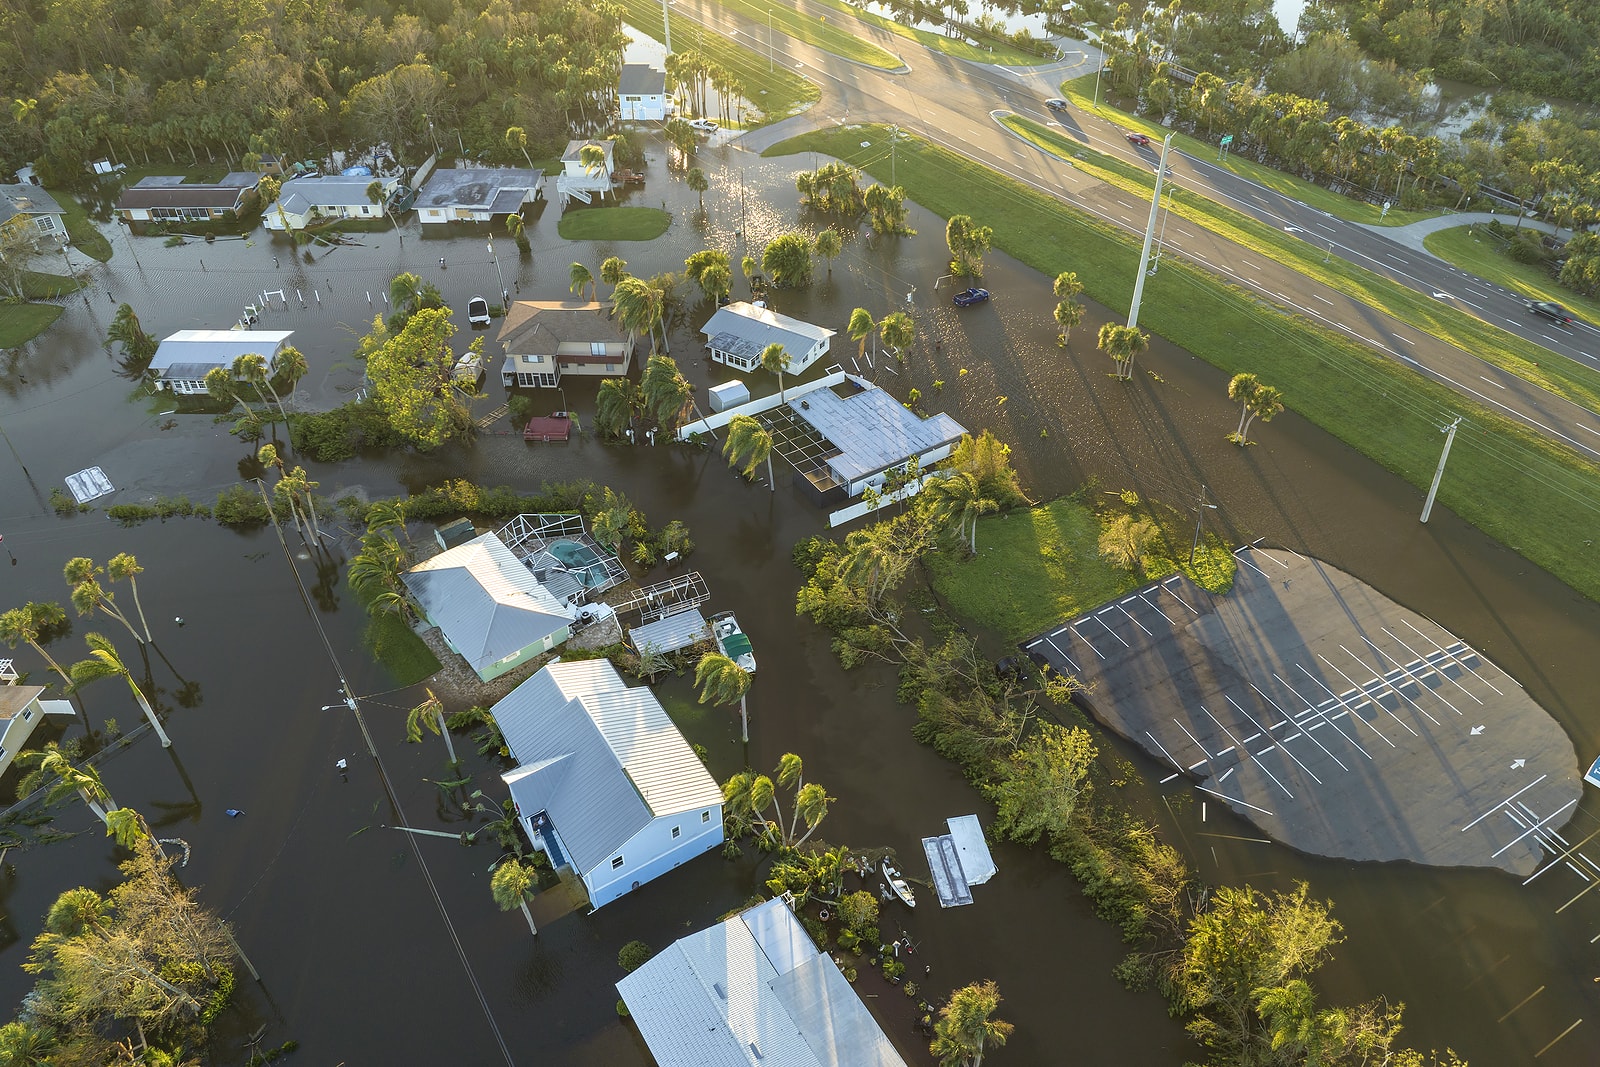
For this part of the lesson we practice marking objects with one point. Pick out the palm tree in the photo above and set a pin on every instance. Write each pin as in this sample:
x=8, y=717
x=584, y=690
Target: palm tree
x=828, y=246
x=138, y=347
x=966, y=1026
x=387, y=515
x=83, y=780
x=1069, y=313
x=716, y=281
x=1255, y=401
x=83, y=576
x=430, y=715
x=516, y=137
x=616, y=401
x=579, y=278
x=105, y=663
x=25, y=624
x=121, y=566
x=860, y=328
x=253, y=368
x=667, y=393
x=749, y=443
x=960, y=496
x=268, y=457
x=612, y=270
x=745, y=799
x=775, y=360
x=512, y=884
x=722, y=682
x=897, y=331
x=592, y=158
x=752, y=273
x=221, y=386
x=631, y=299
x=375, y=570
x=299, y=486
x=1122, y=344
x=1067, y=285
x=515, y=225
x=696, y=180
x=291, y=366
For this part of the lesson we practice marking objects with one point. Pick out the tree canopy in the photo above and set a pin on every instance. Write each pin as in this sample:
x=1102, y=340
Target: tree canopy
x=412, y=375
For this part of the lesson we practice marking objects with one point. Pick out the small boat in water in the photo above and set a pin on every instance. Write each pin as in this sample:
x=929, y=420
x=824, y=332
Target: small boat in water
x=732, y=642
x=898, y=884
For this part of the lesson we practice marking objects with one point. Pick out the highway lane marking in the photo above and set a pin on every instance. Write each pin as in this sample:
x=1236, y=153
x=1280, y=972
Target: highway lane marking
x=1520, y=1004
x=1591, y=429
x=1397, y=259
x=1183, y=231
x=1401, y=337
x=1470, y=304
x=1324, y=299
x=1492, y=382
x=1547, y=337
x=1248, y=263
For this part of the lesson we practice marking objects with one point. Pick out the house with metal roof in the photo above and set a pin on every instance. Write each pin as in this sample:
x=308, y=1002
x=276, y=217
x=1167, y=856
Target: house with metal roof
x=859, y=433
x=546, y=339
x=477, y=194
x=491, y=609
x=605, y=784
x=20, y=711
x=167, y=198
x=738, y=333
x=29, y=205
x=324, y=198
x=642, y=93
x=753, y=990
x=183, y=359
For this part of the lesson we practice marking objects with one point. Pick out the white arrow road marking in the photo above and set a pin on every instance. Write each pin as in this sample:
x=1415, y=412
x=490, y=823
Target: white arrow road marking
x=1518, y=764
x=1476, y=730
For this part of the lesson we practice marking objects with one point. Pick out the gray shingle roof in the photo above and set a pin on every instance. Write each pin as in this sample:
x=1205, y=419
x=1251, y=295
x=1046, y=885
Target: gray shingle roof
x=26, y=199
x=540, y=327
x=299, y=195
x=478, y=187
x=874, y=430
x=641, y=79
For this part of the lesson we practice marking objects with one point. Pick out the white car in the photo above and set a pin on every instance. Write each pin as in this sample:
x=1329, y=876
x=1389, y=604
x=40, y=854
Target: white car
x=704, y=125
x=478, y=311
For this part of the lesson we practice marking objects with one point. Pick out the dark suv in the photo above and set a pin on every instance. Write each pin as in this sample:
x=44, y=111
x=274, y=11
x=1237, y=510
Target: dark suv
x=1551, y=311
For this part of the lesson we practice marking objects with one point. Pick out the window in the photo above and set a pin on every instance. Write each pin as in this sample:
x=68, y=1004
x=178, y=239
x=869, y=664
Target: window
x=676, y=831
x=705, y=816
x=616, y=862
x=27, y=714
x=597, y=348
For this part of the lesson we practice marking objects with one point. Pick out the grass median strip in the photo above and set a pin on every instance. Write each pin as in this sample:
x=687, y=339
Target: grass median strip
x=1562, y=376
x=778, y=93
x=1474, y=250
x=954, y=47
x=1527, y=492
x=828, y=36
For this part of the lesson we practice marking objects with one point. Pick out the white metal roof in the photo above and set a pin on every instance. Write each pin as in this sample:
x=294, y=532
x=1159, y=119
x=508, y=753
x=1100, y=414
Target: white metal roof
x=216, y=348
x=487, y=603
x=977, y=863
x=671, y=633
x=874, y=430
x=744, y=328
x=753, y=991
x=601, y=757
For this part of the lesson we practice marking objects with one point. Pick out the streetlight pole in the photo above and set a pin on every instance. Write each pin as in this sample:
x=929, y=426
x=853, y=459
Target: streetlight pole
x=1098, y=68
x=1149, y=233
x=1433, y=490
x=770, y=60
x=505, y=297
x=894, y=135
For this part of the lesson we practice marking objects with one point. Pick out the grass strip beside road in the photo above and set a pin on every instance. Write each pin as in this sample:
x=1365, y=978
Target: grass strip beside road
x=1474, y=250
x=86, y=237
x=1081, y=92
x=778, y=93
x=954, y=47
x=828, y=36
x=1556, y=373
x=21, y=323
x=613, y=224
x=1527, y=492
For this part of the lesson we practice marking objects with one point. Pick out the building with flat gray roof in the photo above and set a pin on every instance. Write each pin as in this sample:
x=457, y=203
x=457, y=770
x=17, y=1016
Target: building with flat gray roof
x=872, y=433
x=476, y=194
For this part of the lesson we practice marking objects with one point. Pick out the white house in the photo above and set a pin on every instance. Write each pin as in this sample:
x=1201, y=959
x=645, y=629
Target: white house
x=753, y=989
x=577, y=182
x=605, y=784
x=642, y=91
x=476, y=194
x=490, y=608
x=304, y=201
x=737, y=335
x=20, y=711
x=29, y=205
x=546, y=339
x=868, y=433
x=183, y=359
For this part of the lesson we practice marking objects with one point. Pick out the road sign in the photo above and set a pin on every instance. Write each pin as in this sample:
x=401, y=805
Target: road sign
x=1227, y=139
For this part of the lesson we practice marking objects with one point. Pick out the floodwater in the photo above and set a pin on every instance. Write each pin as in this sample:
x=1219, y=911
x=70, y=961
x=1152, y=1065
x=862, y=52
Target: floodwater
x=359, y=962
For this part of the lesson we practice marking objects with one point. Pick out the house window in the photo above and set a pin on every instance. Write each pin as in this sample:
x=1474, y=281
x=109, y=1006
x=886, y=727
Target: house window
x=597, y=348
x=676, y=831
x=616, y=863
x=705, y=816
x=27, y=714
x=532, y=359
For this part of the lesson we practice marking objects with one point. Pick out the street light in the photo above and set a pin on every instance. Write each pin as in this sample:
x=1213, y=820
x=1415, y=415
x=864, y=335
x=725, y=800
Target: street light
x=770, y=59
x=505, y=297
x=1105, y=64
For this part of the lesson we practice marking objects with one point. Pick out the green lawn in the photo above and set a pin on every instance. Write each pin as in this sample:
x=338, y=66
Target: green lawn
x=21, y=323
x=41, y=285
x=828, y=36
x=778, y=93
x=1530, y=494
x=1561, y=376
x=955, y=47
x=403, y=654
x=1081, y=92
x=613, y=224
x=1477, y=252
x=86, y=238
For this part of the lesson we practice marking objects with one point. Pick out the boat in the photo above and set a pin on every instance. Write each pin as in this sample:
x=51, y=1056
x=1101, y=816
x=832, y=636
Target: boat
x=732, y=642
x=898, y=885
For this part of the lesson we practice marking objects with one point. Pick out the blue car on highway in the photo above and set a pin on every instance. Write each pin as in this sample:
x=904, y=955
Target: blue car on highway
x=968, y=297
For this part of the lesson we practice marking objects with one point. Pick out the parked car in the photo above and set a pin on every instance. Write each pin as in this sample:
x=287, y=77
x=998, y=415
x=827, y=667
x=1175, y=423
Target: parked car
x=478, y=311
x=1055, y=103
x=1551, y=311
x=968, y=297
x=1140, y=140
x=704, y=125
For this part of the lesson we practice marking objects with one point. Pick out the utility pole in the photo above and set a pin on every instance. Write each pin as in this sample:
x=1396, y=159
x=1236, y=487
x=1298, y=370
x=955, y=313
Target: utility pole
x=1433, y=490
x=1199, y=513
x=894, y=135
x=666, y=24
x=770, y=57
x=505, y=297
x=1149, y=233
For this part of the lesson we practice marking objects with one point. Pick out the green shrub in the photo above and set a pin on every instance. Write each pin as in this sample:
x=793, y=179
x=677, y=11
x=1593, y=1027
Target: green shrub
x=240, y=505
x=633, y=955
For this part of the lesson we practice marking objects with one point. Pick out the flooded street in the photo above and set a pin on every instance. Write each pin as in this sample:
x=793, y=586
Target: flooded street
x=358, y=963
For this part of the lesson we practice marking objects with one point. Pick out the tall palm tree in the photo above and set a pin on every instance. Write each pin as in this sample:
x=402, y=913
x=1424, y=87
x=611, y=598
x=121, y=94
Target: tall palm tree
x=1122, y=344
x=1067, y=285
x=960, y=496
x=828, y=246
x=515, y=225
x=298, y=484
x=512, y=884
x=516, y=137
x=87, y=594
x=24, y=625
x=667, y=393
x=387, y=515
x=966, y=1026
x=897, y=331
x=861, y=328
x=121, y=566
x=429, y=715
x=716, y=281
x=83, y=780
x=749, y=443
x=752, y=272
x=578, y=279
x=268, y=457
x=613, y=269
x=592, y=158
x=105, y=663
x=616, y=402
x=1256, y=401
x=630, y=301
x=291, y=366
x=252, y=367
x=696, y=180
x=722, y=682
x=1069, y=313
x=775, y=360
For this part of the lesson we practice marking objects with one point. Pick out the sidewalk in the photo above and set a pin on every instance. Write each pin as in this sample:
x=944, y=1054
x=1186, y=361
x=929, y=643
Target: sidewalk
x=1411, y=235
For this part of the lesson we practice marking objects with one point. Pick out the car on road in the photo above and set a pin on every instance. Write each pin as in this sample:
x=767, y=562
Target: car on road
x=478, y=311
x=1139, y=140
x=705, y=125
x=1055, y=103
x=967, y=297
x=1553, y=312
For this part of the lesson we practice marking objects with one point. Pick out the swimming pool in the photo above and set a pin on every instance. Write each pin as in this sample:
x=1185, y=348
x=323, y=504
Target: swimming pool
x=580, y=560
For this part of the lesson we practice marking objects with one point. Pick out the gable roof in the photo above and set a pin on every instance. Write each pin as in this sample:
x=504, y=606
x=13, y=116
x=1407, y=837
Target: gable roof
x=26, y=200
x=601, y=757
x=13, y=698
x=487, y=603
x=187, y=350
x=172, y=191
x=300, y=195
x=574, y=151
x=540, y=327
x=753, y=990
x=745, y=329
x=641, y=79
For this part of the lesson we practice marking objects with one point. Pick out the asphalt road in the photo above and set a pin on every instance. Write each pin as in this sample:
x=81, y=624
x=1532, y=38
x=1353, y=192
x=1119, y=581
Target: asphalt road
x=955, y=104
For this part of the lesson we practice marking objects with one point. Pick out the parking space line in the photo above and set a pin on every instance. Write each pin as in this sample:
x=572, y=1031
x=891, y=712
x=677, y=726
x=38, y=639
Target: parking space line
x=1325, y=719
x=1192, y=609
x=1157, y=608
x=1464, y=666
x=1340, y=701
x=1502, y=804
x=1163, y=749
x=1375, y=703
x=1136, y=622
x=1233, y=800
x=1235, y=740
x=1396, y=690
x=1534, y=827
x=1257, y=725
x=1064, y=656
x=1252, y=566
x=1110, y=631
x=1406, y=670
x=1086, y=641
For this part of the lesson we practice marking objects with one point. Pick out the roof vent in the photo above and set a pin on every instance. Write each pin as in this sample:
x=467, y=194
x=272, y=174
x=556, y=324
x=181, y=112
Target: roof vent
x=718, y=987
x=755, y=1051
